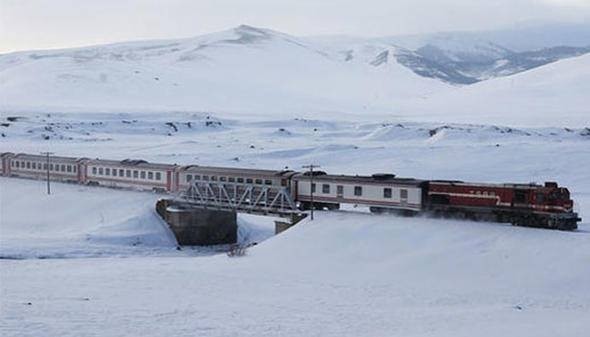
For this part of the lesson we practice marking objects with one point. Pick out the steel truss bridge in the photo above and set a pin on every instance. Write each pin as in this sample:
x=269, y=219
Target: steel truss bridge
x=243, y=198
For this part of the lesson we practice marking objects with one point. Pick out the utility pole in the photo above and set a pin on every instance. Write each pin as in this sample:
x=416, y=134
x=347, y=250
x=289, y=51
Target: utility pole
x=311, y=167
x=48, y=186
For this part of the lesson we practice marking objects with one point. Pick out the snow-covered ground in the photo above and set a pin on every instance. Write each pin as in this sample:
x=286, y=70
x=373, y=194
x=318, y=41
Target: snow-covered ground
x=81, y=222
x=345, y=274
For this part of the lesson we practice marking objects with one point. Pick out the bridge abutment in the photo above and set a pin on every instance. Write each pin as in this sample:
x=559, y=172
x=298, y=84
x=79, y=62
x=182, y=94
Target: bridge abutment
x=281, y=226
x=198, y=226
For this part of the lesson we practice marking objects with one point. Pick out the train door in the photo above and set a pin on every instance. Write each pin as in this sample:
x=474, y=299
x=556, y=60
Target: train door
x=340, y=191
x=81, y=173
x=169, y=181
x=403, y=197
x=6, y=166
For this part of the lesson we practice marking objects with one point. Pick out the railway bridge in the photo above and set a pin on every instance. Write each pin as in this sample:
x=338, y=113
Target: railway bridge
x=206, y=213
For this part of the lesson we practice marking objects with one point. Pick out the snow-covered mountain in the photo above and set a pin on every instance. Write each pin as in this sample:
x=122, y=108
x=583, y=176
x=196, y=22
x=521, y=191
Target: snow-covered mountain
x=469, y=57
x=555, y=94
x=261, y=72
x=242, y=69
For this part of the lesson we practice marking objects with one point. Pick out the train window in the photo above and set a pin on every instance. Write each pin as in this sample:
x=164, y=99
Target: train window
x=28, y=164
x=75, y=168
x=50, y=167
x=189, y=177
x=45, y=166
x=121, y=173
x=206, y=178
x=197, y=177
x=283, y=182
x=387, y=193
x=231, y=179
x=259, y=181
x=100, y=171
x=128, y=173
x=94, y=170
x=107, y=171
x=142, y=174
x=213, y=178
x=135, y=174
x=158, y=176
x=222, y=179
x=540, y=198
x=249, y=180
x=63, y=167
x=240, y=180
x=69, y=168
x=17, y=163
x=34, y=166
x=358, y=190
x=268, y=182
x=151, y=175
x=313, y=188
x=114, y=172
x=325, y=188
x=403, y=194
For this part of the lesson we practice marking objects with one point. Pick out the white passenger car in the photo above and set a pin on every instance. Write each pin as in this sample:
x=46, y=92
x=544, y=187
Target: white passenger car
x=227, y=175
x=380, y=192
x=35, y=166
x=129, y=173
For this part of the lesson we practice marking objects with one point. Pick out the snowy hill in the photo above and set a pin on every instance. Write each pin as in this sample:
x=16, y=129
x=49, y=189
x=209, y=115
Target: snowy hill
x=245, y=69
x=555, y=94
x=254, y=71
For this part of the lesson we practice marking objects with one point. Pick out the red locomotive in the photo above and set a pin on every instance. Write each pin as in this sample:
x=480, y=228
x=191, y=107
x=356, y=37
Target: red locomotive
x=530, y=205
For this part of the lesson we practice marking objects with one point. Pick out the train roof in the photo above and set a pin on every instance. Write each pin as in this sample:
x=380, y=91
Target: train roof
x=376, y=179
x=27, y=156
x=236, y=170
x=491, y=185
x=131, y=163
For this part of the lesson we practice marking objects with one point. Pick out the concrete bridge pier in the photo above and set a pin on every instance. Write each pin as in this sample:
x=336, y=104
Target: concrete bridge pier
x=198, y=226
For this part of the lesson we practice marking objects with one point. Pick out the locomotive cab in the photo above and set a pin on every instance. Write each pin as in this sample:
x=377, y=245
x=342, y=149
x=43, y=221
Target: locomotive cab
x=554, y=199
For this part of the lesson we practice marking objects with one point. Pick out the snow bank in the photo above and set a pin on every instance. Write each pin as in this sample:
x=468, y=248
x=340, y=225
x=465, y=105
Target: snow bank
x=341, y=275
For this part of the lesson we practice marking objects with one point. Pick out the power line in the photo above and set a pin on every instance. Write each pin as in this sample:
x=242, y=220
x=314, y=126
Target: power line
x=48, y=185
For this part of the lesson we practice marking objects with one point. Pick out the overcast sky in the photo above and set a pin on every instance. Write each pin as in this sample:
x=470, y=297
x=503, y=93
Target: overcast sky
x=40, y=24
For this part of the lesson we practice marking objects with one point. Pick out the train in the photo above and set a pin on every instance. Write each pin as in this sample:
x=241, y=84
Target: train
x=531, y=205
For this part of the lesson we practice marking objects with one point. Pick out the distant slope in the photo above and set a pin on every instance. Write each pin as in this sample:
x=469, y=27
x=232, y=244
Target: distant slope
x=554, y=94
x=245, y=69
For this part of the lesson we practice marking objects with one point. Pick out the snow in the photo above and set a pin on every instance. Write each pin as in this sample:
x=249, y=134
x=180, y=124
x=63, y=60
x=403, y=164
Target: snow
x=344, y=274
x=552, y=95
x=109, y=262
x=244, y=71
x=96, y=261
x=93, y=222
x=248, y=72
